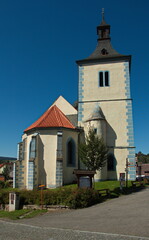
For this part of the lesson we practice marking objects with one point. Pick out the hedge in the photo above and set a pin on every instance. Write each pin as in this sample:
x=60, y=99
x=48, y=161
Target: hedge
x=73, y=198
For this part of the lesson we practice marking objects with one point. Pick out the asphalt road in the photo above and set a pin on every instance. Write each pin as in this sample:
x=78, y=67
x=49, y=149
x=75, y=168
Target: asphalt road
x=123, y=218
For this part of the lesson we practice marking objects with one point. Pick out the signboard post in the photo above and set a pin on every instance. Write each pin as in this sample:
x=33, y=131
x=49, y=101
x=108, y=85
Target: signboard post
x=122, y=180
x=84, y=182
x=41, y=195
x=84, y=177
x=14, y=200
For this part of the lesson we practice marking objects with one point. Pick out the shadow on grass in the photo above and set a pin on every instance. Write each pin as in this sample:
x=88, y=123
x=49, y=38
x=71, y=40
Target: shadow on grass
x=117, y=192
x=125, y=191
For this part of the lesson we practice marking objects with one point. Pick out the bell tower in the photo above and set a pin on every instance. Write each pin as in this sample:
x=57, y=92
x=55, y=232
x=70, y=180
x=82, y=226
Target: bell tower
x=104, y=83
x=103, y=30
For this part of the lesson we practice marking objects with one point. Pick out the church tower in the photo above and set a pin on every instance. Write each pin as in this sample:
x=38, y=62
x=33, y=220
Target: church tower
x=104, y=102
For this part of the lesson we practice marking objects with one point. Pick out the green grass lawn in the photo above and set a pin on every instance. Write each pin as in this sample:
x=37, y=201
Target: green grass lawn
x=111, y=185
x=23, y=213
x=60, y=196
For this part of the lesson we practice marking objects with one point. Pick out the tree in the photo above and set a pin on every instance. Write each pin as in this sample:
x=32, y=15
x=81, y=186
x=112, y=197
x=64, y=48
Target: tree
x=144, y=158
x=6, y=173
x=93, y=152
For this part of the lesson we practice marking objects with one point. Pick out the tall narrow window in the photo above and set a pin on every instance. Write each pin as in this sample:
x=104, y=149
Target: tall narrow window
x=20, y=151
x=59, y=145
x=71, y=155
x=23, y=148
x=95, y=130
x=32, y=153
x=104, y=79
x=111, y=162
x=101, y=79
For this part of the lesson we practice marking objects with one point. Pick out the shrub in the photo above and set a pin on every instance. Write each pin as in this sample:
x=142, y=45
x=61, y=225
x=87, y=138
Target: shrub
x=2, y=184
x=4, y=197
x=50, y=197
x=74, y=198
x=29, y=197
x=81, y=198
x=56, y=197
x=5, y=184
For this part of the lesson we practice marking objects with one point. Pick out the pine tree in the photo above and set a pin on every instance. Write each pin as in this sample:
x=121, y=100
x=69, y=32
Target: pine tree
x=6, y=173
x=93, y=152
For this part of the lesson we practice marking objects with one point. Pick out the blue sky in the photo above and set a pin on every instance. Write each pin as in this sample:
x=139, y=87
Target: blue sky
x=40, y=40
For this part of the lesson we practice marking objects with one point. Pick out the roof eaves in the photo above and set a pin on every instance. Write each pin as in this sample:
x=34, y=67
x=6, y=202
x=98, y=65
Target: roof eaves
x=104, y=59
x=30, y=131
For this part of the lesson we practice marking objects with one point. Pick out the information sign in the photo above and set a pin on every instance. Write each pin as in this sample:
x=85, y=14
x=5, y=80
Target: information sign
x=122, y=180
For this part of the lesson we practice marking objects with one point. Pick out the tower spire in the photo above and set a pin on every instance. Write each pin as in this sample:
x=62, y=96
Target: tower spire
x=104, y=49
x=103, y=30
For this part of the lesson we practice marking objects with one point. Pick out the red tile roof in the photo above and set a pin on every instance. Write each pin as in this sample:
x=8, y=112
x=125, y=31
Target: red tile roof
x=53, y=117
x=4, y=164
x=2, y=178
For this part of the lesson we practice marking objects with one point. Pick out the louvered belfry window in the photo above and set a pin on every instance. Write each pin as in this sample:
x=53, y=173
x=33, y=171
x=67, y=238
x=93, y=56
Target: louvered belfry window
x=104, y=79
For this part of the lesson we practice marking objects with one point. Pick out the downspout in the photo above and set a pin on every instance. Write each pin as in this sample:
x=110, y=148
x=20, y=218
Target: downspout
x=14, y=175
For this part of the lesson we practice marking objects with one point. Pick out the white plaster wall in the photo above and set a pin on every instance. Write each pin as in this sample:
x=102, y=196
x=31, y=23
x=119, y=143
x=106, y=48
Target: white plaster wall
x=101, y=174
x=28, y=140
x=47, y=157
x=120, y=155
x=100, y=125
x=65, y=106
x=116, y=121
x=45, y=161
x=101, y=132
x=114, y=111
x=91, y=81
x=26, y=156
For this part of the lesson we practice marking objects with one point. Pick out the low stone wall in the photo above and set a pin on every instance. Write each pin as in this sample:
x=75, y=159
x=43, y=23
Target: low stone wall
x=34, y=207
x=4, y=207
x=48, y=207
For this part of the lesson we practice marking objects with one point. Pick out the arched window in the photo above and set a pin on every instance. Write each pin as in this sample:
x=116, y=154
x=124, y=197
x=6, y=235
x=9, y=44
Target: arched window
x=111, y=162
x=71, y=153
x=32, y=150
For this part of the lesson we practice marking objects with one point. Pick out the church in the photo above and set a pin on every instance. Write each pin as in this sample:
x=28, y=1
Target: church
x=48, y=153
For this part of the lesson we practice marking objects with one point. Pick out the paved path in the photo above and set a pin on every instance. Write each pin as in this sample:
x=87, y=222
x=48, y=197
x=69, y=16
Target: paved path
x=126, y=217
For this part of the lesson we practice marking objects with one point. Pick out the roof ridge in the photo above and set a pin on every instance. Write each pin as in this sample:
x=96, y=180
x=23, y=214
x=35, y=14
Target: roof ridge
x=59, y=119
x=57, y=113
x=46, y=113
x=60, y=113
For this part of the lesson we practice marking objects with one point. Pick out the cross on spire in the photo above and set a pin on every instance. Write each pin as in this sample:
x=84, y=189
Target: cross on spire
x=103, y=30
x=103, y=11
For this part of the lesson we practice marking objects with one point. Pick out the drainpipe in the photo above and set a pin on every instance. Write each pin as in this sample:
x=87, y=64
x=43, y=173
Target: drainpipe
x=14, y=175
